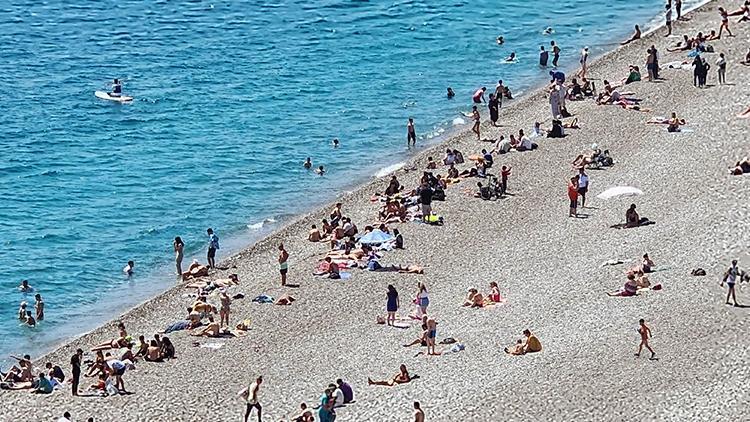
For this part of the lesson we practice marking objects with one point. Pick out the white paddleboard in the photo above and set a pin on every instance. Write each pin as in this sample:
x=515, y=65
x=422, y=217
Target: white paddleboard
x=105, y=96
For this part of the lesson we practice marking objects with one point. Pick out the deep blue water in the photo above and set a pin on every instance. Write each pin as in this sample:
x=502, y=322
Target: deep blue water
x=230, y=97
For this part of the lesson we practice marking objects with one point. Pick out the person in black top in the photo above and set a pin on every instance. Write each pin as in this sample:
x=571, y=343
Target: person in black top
x=425, y=198
x=75, y=361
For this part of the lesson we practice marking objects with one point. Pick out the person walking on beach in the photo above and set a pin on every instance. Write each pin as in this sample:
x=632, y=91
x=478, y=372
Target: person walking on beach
x=418, y=412
x=39, y=307
x=283, y=263
x=213, y=246
x=583, y=185
x=573, y=196
x=411, y=133
x=645, y=333
x=721, y=64
x=543, y=56
x=668, y=18
x=724, y=23
x=730, y=277
x=250, y=395
x=477, y=120
x=391, y=305
x=178, y=246
x=555, y=53
x=75, y=363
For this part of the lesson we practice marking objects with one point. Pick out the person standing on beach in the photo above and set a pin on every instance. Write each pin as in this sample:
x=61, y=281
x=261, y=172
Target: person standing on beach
x=494, y=108
x=504, y=173
x=584, y=62
x=39, y=306
x=583, y=185
x=418, y=412
x=499, y=92
x=668, y=18
x=573, y=196
x=250, y=394
x=645, y=333
x=213, y=246
x=411, y=133
x=425, y=199
x=283, y=263
x=178, y=246
x=391, y=305
x=721, y=64
x=543, y=57
x=730, y=277
x=75, y=362
x=477, y=121
x=678, y=9
x=555, y=53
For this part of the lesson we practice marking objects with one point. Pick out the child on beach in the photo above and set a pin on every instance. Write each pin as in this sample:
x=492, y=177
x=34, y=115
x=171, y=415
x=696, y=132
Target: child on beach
x=573, y=196
x=477, y=121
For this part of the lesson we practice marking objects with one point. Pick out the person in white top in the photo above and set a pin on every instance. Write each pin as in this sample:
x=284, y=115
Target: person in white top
x=338, y=396
x=250, y=394
x=65, y=417
x=721, y=64
x=524, y=142
x=583, y=185
x=730, y=277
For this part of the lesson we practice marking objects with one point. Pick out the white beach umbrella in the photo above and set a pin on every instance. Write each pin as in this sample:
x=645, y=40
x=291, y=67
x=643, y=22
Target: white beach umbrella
x=619, y=191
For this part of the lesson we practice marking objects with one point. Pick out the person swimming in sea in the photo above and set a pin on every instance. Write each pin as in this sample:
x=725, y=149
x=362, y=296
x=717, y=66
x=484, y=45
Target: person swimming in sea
x=116, y=88
x=335, y=142
x=128, y=269
x=511, y=58
x=500, y=40
x=548, y=30
x=320, y=171
x=451, y=94
x=307, y=164
x=24, y=287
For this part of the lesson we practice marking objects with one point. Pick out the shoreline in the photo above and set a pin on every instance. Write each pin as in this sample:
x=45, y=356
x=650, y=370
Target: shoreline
x=292, y=228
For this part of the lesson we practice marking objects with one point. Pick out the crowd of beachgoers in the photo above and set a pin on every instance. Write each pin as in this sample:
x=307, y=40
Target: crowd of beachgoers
x=347, y=247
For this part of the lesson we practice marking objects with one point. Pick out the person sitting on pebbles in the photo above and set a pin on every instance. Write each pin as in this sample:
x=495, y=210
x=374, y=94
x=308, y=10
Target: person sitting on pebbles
x=741, y=167
x=629, y=289
x=632, y=219
x=530, y=345
x=474, y=299
x=195, y=270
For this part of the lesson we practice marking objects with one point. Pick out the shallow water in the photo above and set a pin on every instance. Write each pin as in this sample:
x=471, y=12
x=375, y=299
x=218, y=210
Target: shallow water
x=230, y=97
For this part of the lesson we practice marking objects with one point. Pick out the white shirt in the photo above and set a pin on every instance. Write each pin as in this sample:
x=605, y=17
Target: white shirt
x=526, y=142
x=338, y=396
x=63, y=419
x=503, y=145
x=583, y=180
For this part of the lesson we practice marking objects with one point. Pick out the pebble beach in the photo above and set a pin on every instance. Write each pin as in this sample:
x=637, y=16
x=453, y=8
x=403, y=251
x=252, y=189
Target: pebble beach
x=548, y=267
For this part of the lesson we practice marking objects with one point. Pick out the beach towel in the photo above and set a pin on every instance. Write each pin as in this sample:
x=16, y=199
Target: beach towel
x=212, y=346
x=263, y=299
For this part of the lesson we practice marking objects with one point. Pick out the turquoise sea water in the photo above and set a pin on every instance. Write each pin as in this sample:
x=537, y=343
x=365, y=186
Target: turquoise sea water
x=230, y=97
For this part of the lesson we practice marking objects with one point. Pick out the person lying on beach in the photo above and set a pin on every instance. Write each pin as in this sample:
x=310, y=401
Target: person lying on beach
x=202, y=308
x=284, y=299
x=222, y=283
x=674, y=123
x=192, y=320
x=422, y=339
x=743, y=12
x=636, y=35
x=474, y=299
x=402, y=377
x=741, y=167
x=666, y=121
x=531, y=344
x=629, y=289
x=684, y=45
x=632, y=219
x=195, y=270
x=404, y=269
x=745, y=114
x=117, y=343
